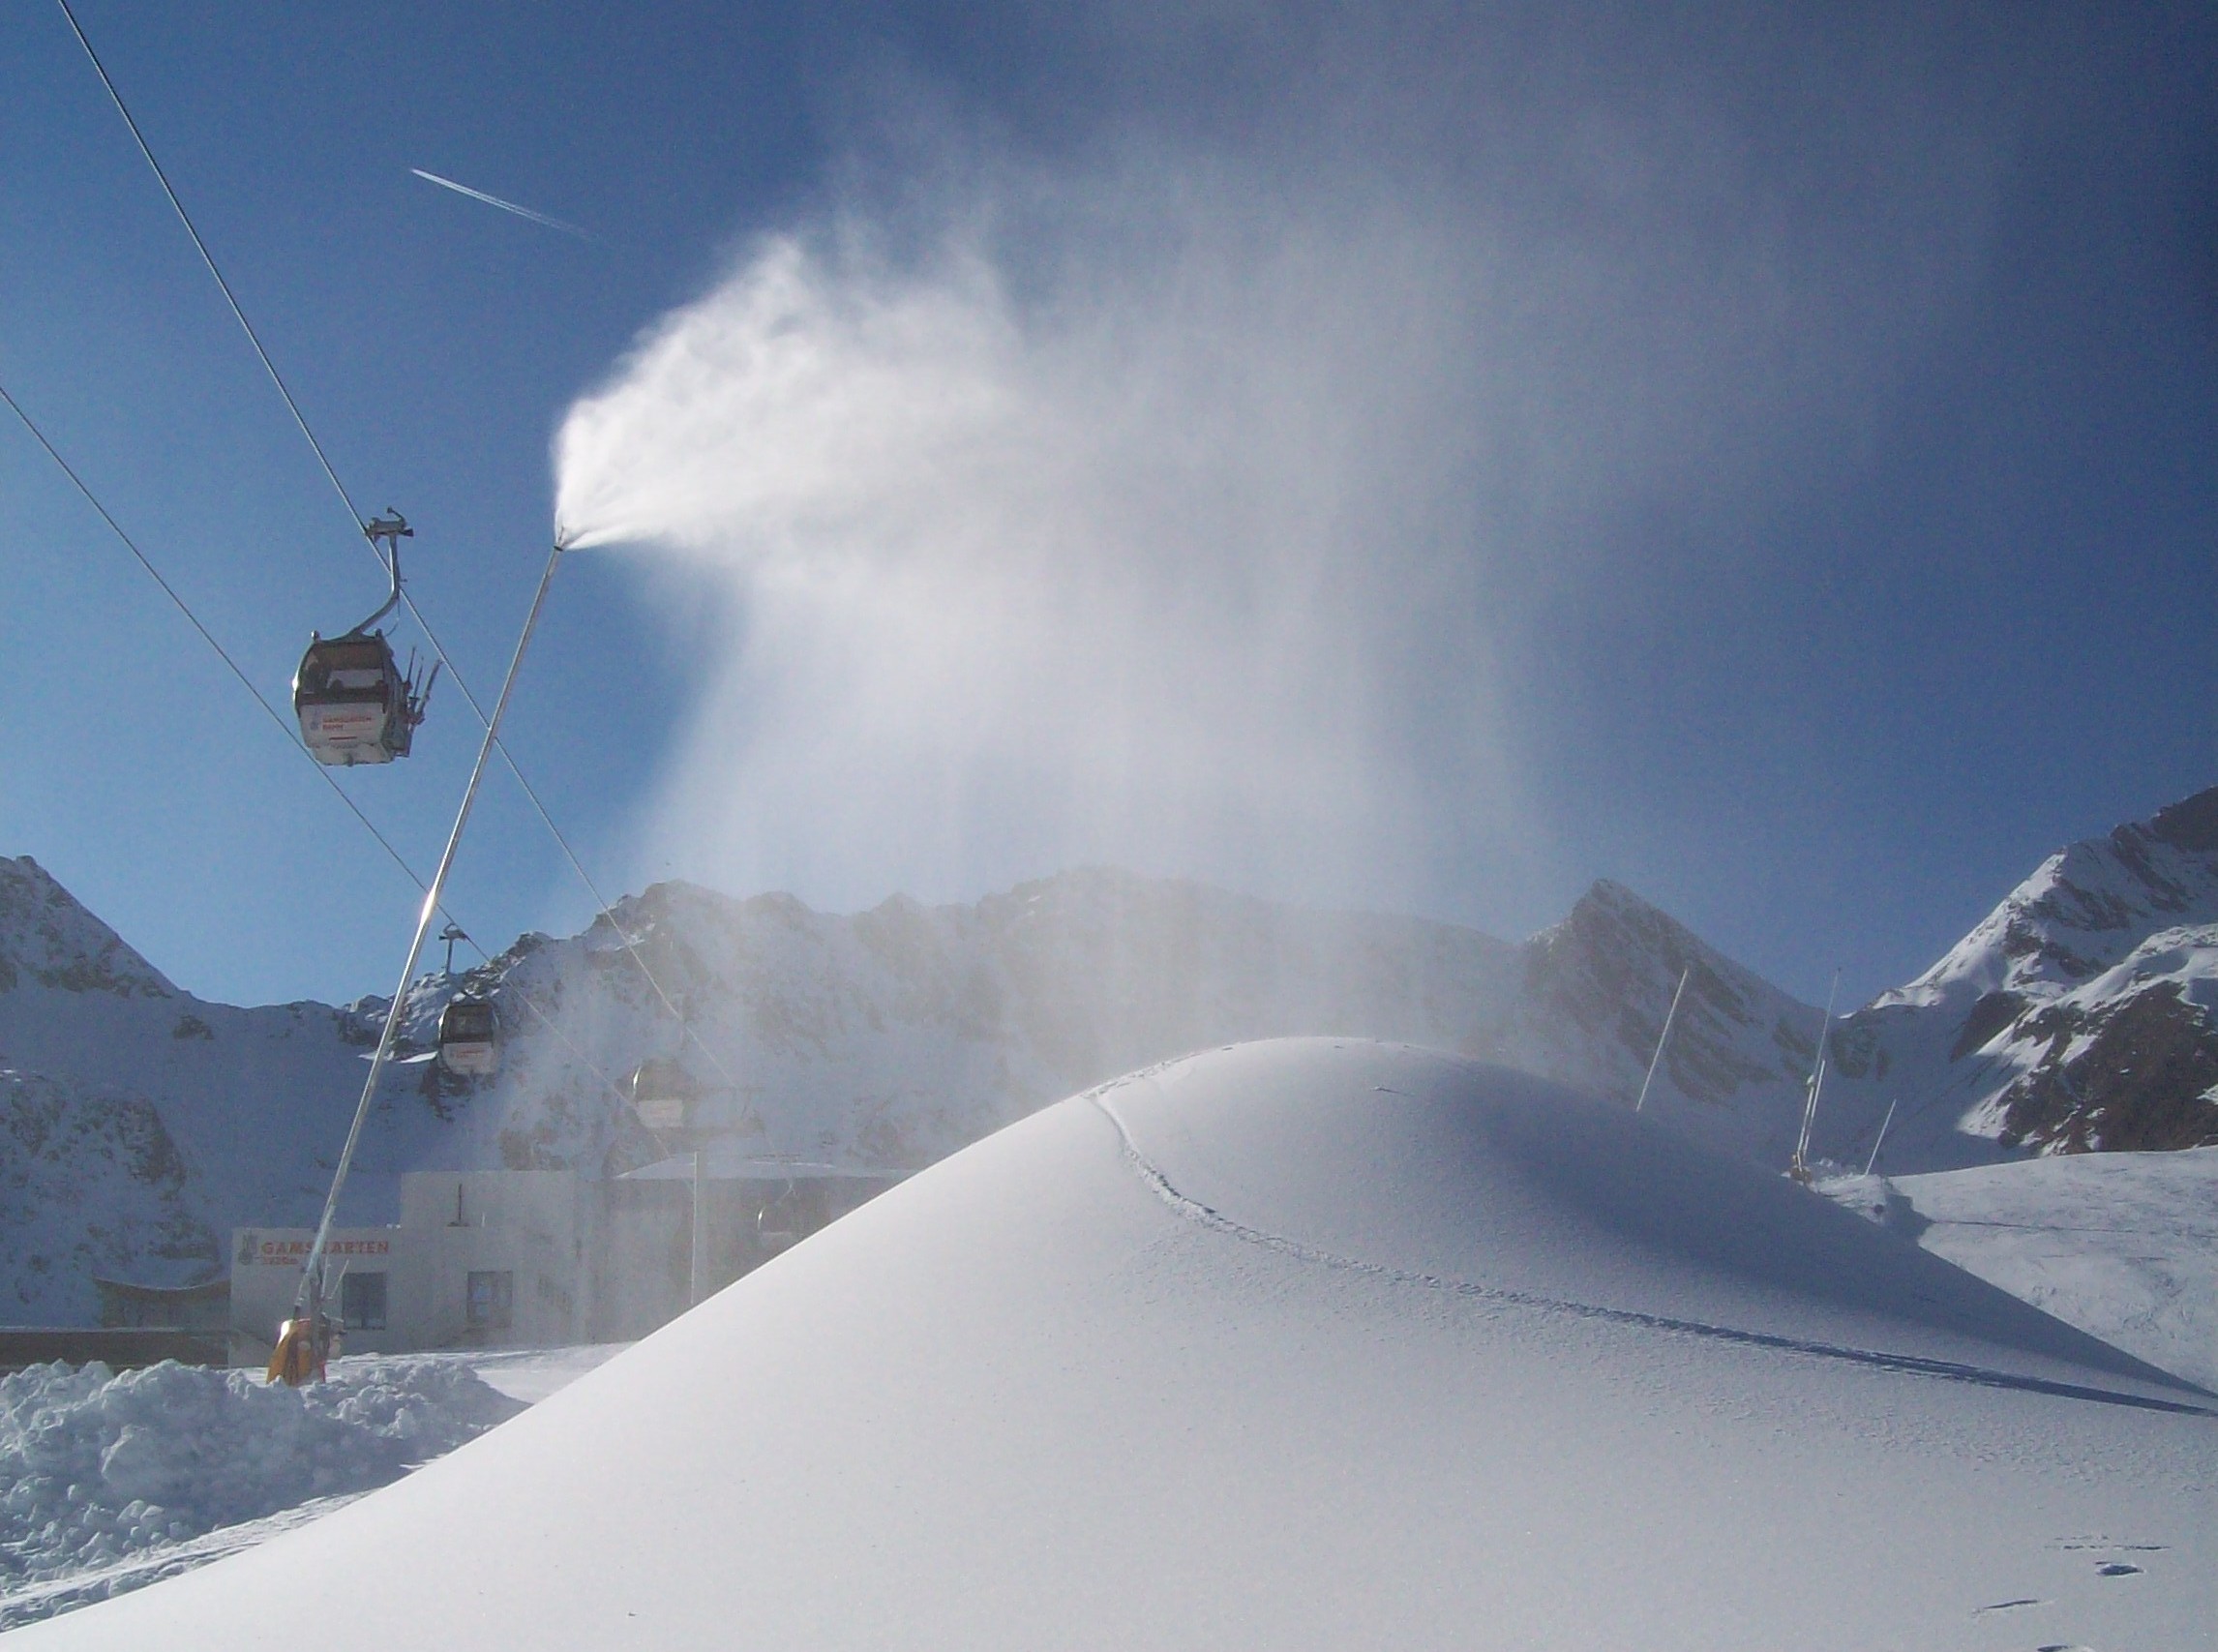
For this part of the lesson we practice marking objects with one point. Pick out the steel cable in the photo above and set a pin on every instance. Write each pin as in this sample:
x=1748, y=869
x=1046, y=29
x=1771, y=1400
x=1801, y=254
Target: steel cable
x=354, y=516
x=276, y=718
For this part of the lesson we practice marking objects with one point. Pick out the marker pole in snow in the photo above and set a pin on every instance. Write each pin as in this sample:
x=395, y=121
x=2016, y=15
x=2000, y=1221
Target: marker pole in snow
x=304, y=1339
x=1663, y=1037
x=1872, y=1161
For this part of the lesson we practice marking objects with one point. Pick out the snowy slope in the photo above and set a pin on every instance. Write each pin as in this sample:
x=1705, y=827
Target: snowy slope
x=1296, y=1344
x=2122, y=1244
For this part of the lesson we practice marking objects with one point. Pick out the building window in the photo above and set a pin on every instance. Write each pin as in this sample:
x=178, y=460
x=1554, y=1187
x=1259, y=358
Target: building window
x=362, y=1302
x=491, y=1302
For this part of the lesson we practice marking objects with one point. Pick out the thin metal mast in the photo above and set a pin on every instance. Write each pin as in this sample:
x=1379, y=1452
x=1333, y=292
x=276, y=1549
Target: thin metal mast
x=1872, y=1163
x=1662, y=1038
x=308, y=1301
x=1798, y=1166
x=693, y=1269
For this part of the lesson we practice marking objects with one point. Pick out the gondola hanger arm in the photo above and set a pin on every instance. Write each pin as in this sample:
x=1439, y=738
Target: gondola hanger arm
x=385, y=533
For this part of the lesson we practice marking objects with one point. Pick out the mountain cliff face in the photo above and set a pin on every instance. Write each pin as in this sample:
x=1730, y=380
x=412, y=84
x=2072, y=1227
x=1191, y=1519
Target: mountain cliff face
x=2083, y=1012
x=91, y=1185
x=1590, y=1003
x=138, y=1122
x=894, y=1036
x=2080, y=1014
x=48, y=940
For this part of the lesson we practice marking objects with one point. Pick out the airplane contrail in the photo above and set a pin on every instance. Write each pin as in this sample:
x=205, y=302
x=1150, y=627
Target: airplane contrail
x=504, y=205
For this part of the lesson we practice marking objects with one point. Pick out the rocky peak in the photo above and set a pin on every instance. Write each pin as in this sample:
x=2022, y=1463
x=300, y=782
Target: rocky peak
x=2084, y=910
x=1600, y=983
x=2190, y=825
x=2079, y=1012
x=1614, y=935
x=47, y=938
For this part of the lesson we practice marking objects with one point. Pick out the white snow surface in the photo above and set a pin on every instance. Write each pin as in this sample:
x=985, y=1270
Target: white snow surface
x=1302, y=1344
x=47, y=1597
x=2122, y=1244
x=103, y=1472
x=532, y=1374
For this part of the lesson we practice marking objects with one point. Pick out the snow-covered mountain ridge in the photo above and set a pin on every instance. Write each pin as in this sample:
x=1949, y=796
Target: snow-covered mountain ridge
x=897, y=1034
x=138, y=1123
x=2083, y=1012
x=2078, y=1014
x=885, y=1037
x=2082, y=910
x=46, y=937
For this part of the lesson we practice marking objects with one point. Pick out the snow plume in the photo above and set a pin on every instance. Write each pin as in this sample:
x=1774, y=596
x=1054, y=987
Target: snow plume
x=1173, y=501
x=1074, y=575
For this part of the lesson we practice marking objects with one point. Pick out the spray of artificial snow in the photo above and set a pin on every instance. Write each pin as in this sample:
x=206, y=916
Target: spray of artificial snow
x=1085, y=577
x=1179, y=506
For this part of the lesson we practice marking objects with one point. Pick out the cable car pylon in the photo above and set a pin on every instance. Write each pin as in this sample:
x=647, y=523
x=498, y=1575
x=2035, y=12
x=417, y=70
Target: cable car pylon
x=304, y=1341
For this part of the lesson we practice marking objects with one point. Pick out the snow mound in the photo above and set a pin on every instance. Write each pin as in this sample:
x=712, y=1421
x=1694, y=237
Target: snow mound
x=1303, y=1343
x=100, y=1467
x=1516, y=1188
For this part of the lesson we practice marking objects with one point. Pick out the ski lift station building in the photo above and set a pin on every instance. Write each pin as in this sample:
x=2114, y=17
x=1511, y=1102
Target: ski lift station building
x=536, y=1258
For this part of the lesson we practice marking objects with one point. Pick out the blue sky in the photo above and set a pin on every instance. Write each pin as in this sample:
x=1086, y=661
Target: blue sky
x=1763, y=458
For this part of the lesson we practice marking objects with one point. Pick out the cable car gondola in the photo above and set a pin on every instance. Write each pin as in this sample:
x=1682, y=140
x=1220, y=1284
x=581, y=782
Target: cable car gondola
x=778, y=1223
x=354, y=703
x=469, y=1036
x=663, y=1093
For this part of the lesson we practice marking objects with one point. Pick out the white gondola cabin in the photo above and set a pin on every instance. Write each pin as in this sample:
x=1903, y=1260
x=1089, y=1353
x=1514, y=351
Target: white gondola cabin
x=663, y=1093
x=778, y=1224
x=469, y=1036
x=354, y=703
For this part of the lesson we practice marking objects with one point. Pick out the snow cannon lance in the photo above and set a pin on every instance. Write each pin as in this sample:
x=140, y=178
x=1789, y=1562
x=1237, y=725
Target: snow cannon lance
x=304, y=1341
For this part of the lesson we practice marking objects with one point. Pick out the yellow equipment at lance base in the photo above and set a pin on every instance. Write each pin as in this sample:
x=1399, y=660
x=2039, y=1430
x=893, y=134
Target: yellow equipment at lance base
x=302, y=1349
